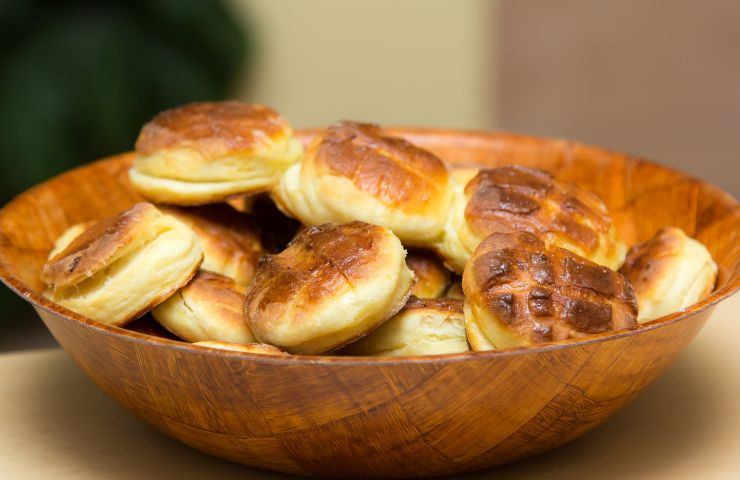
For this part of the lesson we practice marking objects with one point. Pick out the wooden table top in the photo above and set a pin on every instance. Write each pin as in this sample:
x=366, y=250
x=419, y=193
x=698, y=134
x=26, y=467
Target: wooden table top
x=56, y=424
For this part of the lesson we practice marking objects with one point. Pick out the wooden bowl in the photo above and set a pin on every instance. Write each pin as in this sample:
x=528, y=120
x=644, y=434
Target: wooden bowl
x=370, y=417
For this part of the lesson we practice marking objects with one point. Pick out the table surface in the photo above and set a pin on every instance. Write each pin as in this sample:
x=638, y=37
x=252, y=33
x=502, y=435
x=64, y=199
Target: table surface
x=56, y=424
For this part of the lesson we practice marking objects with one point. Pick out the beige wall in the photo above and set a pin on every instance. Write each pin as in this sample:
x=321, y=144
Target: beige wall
x=660, y=79
x=414, y=62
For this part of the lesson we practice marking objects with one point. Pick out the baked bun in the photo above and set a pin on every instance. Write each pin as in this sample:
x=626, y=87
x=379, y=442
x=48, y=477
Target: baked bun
x=422, y=327
x=355, y=171
x=205, y=152
x=210, y=307
x=669, y=272
x=515, y=198
x=519, y=291
x=230, y=240
x=120, y=267
x=431, y=276
x=67, y=237
x=262, y=348
x=332, y=285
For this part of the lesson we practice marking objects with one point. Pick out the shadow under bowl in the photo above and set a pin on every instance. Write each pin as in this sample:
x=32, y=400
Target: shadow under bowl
x=375, y=417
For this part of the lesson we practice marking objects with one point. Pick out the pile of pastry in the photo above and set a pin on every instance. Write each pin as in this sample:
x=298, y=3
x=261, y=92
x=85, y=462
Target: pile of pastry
x=391, y=251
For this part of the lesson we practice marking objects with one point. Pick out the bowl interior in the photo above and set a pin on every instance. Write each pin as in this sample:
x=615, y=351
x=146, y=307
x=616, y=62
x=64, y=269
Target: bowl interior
x=641, y=196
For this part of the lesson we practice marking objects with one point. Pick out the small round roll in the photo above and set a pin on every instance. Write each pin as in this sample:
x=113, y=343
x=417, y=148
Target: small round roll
x=422, y=327
x=519, y=291
x=355, y=171
x=261, y=348
x=209, y=308
x=515, y=198
x=331, y=286
x=669, y=272
x=120, y=267
x=431, y=276
x=205, y=152
x=230, y=240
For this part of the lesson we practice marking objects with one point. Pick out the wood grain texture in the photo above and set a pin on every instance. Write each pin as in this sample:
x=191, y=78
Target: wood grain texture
x=373, y=417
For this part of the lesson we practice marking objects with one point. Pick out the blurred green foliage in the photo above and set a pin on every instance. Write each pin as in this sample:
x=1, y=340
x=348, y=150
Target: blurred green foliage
x=79, y=78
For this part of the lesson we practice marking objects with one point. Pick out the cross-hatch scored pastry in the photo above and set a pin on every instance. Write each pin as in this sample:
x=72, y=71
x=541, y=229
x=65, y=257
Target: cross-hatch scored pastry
x=355, y=171
x=519, y=291
x=422, y=327
x=431, y=275
x=205, y=152
x=209, y=308
x=120, y=267
x=516, y=198
x=332, y=285
x=261, y=348
x=669, y=272
x=230, y=240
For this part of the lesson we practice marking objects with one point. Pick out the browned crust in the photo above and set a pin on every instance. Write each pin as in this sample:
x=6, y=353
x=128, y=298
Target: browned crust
x=390, y=169
x=547, y=293
x=94, y=247
x=319, y=263
x=431, y=276
x=222, y=296
x=513, y=198
x=650, y=261
x=215, y=129
x=224, y=232
x=215, y=296
x=447, y=305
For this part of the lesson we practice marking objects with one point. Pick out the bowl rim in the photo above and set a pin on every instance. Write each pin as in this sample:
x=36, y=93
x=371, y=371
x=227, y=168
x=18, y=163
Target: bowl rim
x=37, y=300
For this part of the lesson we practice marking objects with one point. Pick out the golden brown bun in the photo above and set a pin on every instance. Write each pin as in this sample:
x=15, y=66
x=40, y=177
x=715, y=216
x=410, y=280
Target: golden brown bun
x=355, y=171
x=209, y=308
x=422, y=327
x=262, y=348
x=518, y=291
x=231, y=241
x=205, y=152
x=455, y=291
x=515, y=198
x=67, y=237
x=431, y=276
x=332, y=285
x=669, y=272
x=120, y=267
